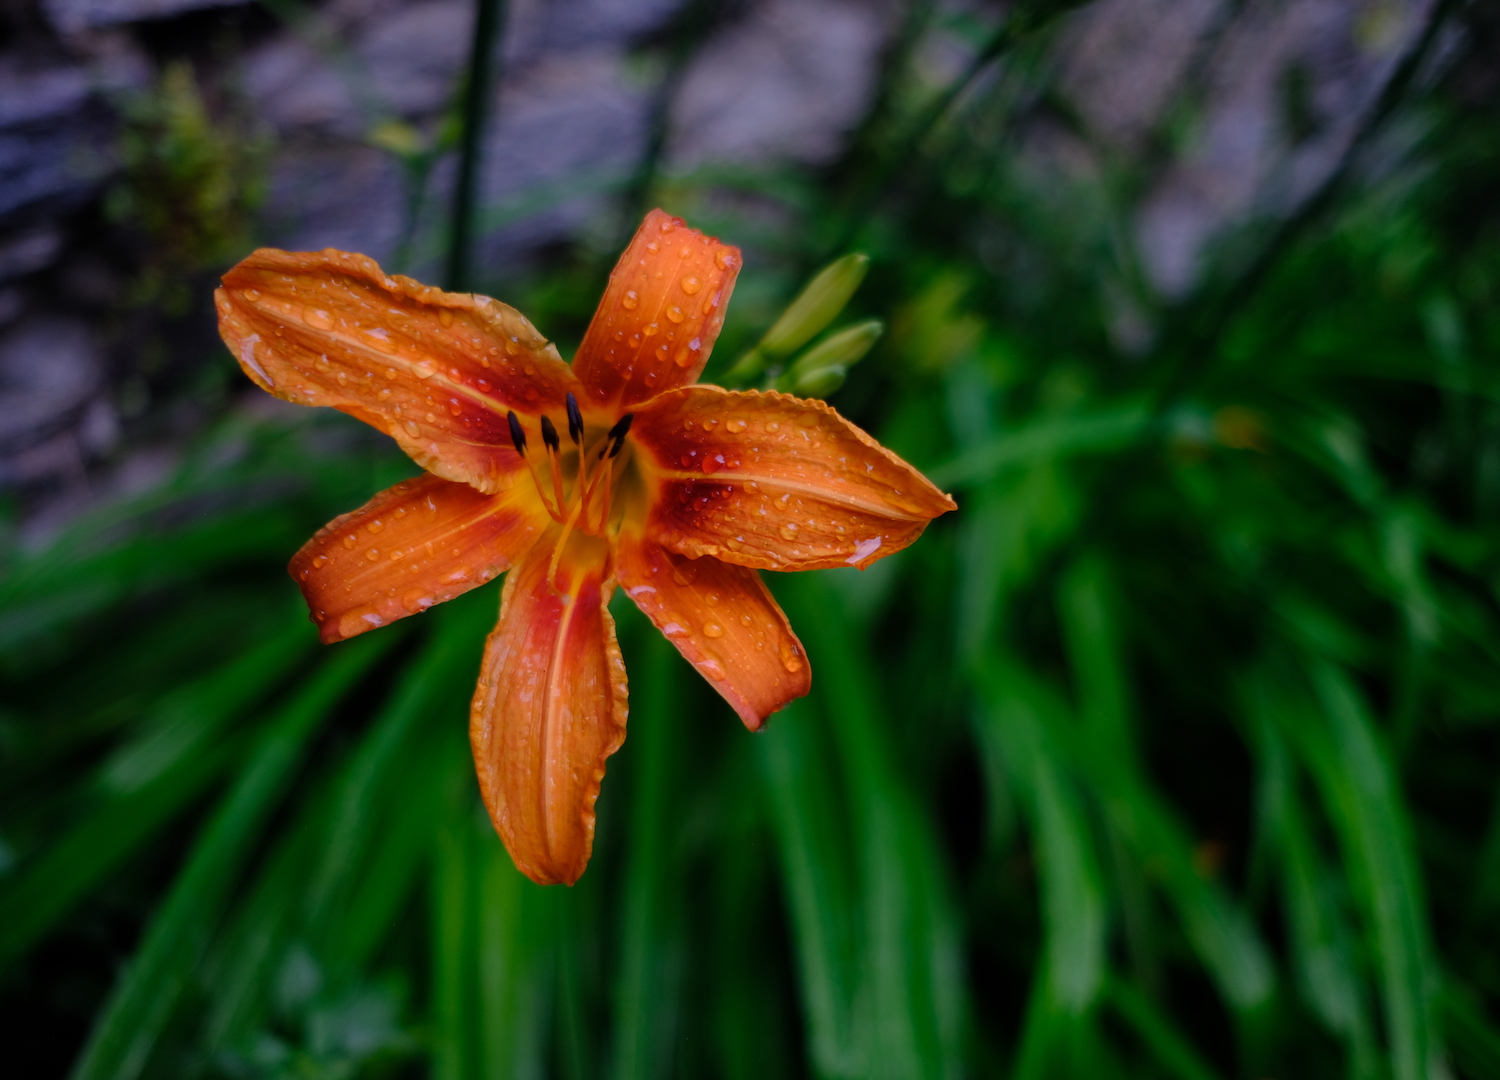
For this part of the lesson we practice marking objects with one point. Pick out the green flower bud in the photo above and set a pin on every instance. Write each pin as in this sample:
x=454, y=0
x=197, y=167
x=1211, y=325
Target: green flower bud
x=816, y=306
x=819, y=382
x=843, y=349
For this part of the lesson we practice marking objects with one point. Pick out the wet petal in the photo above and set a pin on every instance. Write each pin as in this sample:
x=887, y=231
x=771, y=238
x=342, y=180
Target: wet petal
x=659, y=316
x=436, y=371
x=771, y=481
x=414, y=545
x=724, y=622
x=550, y=708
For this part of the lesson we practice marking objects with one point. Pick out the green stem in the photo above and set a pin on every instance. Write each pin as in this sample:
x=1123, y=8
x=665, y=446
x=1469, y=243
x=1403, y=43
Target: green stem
x=484, y=68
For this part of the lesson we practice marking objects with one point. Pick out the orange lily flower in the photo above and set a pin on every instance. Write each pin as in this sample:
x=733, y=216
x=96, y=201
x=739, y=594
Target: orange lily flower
x=614, y=470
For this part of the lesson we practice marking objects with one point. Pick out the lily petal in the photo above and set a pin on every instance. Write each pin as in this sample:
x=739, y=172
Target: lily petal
x=550, y=708
x=724, y=622
x=437, y=371
x=771, y=481
x=414, y=545
x=660, y=314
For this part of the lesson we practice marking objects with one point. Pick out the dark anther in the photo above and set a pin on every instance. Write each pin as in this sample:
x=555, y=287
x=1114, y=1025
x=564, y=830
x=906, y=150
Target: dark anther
x=618, y=433
x=575, y=420
x=549, y=434
x=517, y=433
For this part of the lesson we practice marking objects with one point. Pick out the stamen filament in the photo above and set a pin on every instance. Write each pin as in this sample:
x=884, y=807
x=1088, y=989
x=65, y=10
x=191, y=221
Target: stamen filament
x=518, y=440
x=563, y=539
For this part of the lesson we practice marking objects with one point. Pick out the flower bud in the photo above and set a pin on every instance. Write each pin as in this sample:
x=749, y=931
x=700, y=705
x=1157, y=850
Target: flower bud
x=816, y=306
x=843, y=349
x=819, y=382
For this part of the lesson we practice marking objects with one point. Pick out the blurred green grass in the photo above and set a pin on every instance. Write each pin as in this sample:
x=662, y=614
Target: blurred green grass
x=1172, y=754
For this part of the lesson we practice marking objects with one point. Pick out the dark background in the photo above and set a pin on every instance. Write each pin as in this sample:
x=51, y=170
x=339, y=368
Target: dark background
x=1171, y=754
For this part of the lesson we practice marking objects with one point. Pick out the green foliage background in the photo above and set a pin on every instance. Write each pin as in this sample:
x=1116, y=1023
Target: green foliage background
x=1173, y=753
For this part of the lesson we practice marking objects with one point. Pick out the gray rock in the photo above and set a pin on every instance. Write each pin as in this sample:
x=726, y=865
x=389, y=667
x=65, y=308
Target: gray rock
x=338, y=195
x=28, y=251
x=787, y=83
x=55, y=141
x=1246, y=160
x=72, y=16
x=50, y=367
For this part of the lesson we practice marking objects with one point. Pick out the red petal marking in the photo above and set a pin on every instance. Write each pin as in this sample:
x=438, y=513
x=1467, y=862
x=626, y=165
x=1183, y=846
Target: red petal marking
x=414, y=545
x=724, y=622
x=660, y=315
x=550, y=708
x=772, y=481
x=436, y=371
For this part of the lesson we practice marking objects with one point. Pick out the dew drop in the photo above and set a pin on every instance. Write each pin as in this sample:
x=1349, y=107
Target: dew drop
x=690, y=284
x=790, y=660
x=373, y=554
x=376, y=525
x=713, y=630
x=391, y=373
x=425, y=369
x=417, y=600
x=746, y=620
x=724, y=258
x=773, y=427
x=318, y=318
x=710, y=424
x=789, y=531
x=445, y=316
x=736, y=425
x=411, y=428
x=350, y=541
x=320, y=561
x=651, y=329
x=454, y=407
x=358, y=619
x=714, y=670
x=343, y=379
x=675, y=313
x=631, y=300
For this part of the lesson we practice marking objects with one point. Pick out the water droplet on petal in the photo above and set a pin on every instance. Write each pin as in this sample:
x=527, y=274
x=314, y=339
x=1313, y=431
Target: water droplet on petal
x=373, y=554
x=790, y=660
x=316, y=317
x=418, y=600
x=376, y=525
x=773, y=427
x=320, y=561
x=350, y=541
x=675, y=313
x=736, y=425
x=789, y=531
x=358, y=619
x=713, y=630
x=631, y=300
x=690, y=284
x=425, y=369
x=411, y=428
